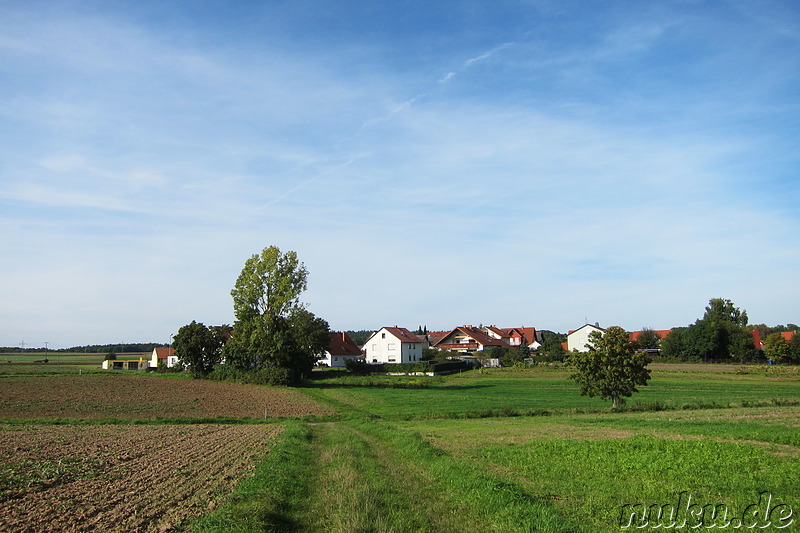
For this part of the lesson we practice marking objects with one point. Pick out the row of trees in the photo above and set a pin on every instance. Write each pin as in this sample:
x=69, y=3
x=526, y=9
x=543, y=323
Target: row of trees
x=723, y=334
x=274, y=338
x=720, y=335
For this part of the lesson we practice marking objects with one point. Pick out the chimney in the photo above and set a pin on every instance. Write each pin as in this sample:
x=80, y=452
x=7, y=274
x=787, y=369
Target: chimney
x=344, y=337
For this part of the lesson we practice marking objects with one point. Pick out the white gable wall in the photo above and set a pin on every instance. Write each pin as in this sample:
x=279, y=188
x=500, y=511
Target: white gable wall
x=578, y=340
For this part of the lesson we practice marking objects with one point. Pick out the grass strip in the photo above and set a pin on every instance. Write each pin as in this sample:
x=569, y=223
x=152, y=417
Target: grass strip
x=474, y=499
x=359, y=488
x=276, y=493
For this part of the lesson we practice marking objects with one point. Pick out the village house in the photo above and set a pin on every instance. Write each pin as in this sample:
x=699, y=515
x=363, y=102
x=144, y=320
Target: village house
x=167, y=355
x=468, y=339
x=578, y=339
x=758, y=342
x=516, y=336
x=393, y=345
x=341, y=348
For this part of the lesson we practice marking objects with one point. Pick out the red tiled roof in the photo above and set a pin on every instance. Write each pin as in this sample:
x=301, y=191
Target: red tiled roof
x=662, y=334
x=529, y=334
x=757, y=342
x=342, y=344
x=403, y=334
x=163, y=353
x=476, y=334
x=497, y=331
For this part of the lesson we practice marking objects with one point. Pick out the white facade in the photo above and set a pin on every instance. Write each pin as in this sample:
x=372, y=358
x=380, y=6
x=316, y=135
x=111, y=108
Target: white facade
x=335, y=361
x=393, y=346
x=578, y=340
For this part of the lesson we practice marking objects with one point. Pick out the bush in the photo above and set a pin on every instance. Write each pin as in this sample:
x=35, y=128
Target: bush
x=451, y=365
x=361, y=368
x=270, y=375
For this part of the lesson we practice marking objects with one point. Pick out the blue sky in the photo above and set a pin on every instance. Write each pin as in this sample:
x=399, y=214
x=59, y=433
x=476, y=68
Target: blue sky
x=530, y=163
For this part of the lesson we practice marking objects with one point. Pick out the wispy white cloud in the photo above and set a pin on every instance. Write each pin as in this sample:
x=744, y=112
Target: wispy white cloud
x=151, y=163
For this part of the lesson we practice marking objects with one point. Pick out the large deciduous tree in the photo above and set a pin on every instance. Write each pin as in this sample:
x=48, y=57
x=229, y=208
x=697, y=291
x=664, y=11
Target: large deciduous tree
x=611, y=369
x=776, y=348
x=648, y=340
x=794, y=348
x=273, y=330
x=199, y=348
x=721, y=335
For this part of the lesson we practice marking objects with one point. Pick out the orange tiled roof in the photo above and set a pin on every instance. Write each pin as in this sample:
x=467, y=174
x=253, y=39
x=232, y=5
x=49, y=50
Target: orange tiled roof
x=662, y=334
x=342, y=344
x=403, y=334
x=474, y=333
x=163, y=352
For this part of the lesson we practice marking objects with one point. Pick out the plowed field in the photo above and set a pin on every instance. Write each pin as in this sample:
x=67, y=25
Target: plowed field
x=97, y=397
x=120, y=478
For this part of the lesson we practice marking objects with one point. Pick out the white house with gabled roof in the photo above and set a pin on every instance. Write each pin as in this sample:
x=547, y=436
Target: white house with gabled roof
x=165, y=355
x=341, y=348
x=578, y=339
x=393, y=345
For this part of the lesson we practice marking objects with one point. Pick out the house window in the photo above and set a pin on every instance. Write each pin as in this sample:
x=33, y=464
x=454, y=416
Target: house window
x=391, y=346
x=374, y=347
x=392, y=360
x=383, y=335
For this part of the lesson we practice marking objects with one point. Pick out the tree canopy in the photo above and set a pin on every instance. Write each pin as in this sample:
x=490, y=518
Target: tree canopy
x=776, y=348
x=273, y=330
x=611, y=369
x=648, y=339
x=721, y=335
x=199, y=348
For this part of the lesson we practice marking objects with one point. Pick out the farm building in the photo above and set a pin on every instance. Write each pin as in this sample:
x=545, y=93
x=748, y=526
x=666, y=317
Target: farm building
x=132, y=364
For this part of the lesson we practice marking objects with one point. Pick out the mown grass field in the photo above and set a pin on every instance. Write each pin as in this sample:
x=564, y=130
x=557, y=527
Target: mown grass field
x=65, y=358
x=513, y=450
x=59, y=362
x=436, y=454
x=543, y=390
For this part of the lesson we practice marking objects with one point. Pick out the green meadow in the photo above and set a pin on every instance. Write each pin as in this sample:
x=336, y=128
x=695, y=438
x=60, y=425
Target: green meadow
x=521, y=450
x=543, y=391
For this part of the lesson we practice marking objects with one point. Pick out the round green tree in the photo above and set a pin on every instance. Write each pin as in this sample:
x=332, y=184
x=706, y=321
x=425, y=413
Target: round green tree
x=198, y=348
x=611, y=369
x=776, y=348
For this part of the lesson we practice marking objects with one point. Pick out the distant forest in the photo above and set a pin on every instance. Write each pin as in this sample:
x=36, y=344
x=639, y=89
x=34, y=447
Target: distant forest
x=101, y=348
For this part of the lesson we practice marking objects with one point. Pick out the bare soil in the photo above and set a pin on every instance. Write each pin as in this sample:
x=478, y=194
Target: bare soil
x=121, y=478
x=98, y=397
